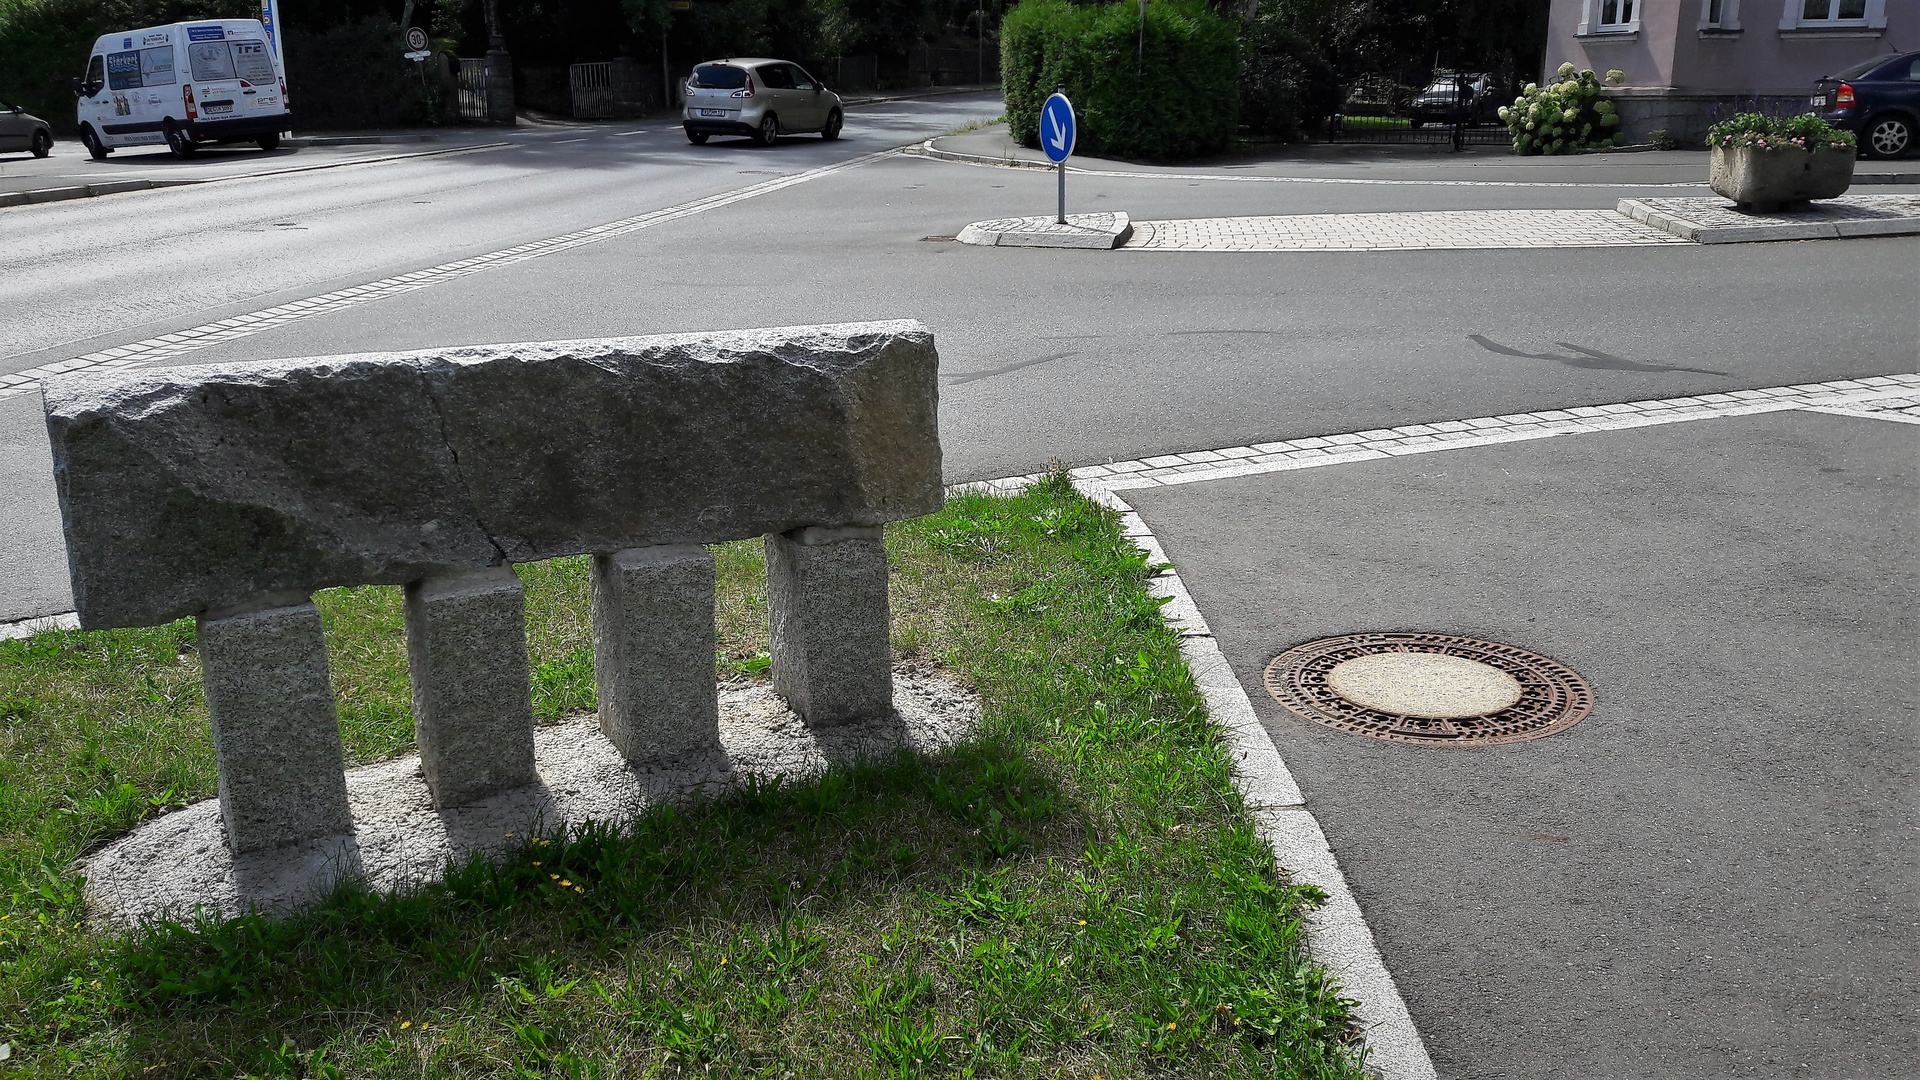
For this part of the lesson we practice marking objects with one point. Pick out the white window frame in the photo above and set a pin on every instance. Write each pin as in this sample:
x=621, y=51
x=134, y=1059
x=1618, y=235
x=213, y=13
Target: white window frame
x=1874, y=18
x=1590, y=23
x=1729, y=15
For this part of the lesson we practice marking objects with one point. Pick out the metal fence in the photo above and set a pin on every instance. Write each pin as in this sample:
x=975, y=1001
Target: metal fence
x=473, y=88
x=953, y=67
x=1391, y=131
x=592, y=87
x=849, y=72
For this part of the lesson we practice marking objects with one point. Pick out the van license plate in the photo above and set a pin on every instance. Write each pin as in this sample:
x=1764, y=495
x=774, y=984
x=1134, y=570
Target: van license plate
x=1819, y=101
x=713, y=112
x=218, y=108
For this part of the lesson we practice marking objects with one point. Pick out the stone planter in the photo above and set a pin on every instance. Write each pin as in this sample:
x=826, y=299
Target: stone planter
x=1761, y=180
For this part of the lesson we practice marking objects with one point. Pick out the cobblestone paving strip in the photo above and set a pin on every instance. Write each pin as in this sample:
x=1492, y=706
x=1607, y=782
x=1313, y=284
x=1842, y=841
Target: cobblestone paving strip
x=1414, y=231
x=167, y=346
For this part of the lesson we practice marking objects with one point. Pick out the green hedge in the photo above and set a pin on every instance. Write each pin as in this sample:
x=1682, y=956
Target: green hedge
x=1180, y=99
x=352, y=77
x=44, y=43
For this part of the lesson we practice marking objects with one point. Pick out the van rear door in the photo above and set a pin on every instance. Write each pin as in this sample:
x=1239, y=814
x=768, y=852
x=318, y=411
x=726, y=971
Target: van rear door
x=215, y=86
x=259, y=82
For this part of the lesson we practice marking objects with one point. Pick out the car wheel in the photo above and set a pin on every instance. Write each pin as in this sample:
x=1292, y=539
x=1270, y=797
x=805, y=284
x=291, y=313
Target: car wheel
x=1887, y=136
x=179, y=141
x=769, y=129
x=697, y=138
x=42, y=143
x=269, y=142
x=832, y=130
x=95, y=148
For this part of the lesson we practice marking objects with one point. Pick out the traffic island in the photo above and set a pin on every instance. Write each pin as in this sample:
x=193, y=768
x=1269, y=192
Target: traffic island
x=1705, y=220
x=1100, y=232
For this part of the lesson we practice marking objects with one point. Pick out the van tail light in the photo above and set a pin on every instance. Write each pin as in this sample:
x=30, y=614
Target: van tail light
x=745, y=91
x=186, y=96
x=1844, y=97
x=284, y=103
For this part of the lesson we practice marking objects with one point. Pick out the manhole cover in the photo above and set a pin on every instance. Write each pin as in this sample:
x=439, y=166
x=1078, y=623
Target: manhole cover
x=1428, y=688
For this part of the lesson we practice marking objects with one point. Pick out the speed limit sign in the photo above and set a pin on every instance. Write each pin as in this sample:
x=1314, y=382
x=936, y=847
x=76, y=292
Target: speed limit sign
x=416, y=39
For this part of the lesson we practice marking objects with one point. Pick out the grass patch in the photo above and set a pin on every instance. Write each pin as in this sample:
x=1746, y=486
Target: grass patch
x=1375, y=123
x=1075, y=892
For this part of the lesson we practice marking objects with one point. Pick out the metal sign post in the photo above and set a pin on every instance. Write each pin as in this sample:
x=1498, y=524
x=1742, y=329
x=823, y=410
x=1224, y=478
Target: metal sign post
x=1057, y=134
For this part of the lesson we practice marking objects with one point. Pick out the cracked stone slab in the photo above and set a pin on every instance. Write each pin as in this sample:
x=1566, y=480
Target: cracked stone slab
x=1101, y=232
x=194, y=488
x=178, y=862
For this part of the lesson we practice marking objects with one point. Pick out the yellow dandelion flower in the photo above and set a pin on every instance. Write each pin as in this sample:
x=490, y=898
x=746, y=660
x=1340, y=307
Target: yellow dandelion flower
x=1170, y=1027
x=555, y=877
x=424, y=1025
x=565, y=884
x=536, y=864
x=1083, y=922
x=723, y=961
x=406, y=1025
x=578, y=889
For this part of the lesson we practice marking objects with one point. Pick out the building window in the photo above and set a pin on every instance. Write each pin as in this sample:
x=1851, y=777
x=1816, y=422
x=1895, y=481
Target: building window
x=1832, y=10
x=1609, y=17
x=1720, y=14
x=1819, y=15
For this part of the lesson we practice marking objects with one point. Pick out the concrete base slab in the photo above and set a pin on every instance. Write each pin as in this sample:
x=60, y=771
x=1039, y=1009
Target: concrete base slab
x=174, y=864
x=1715, y=220
x=1101, y=232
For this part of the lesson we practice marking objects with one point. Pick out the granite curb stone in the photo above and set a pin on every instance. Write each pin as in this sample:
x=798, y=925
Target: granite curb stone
x=472, y=696
x=653, y=648
x=1100, y=232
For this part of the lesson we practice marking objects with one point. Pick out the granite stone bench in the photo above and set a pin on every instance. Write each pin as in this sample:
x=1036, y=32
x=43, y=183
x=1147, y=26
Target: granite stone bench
x=231, y=492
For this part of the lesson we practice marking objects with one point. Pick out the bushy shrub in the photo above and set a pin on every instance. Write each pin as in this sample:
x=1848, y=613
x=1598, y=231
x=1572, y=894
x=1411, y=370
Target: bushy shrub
x=353, y=76
x=44, y=43
x=1563, y=117
x=1804, y=132
x=1180, y=98
x=1286, y=86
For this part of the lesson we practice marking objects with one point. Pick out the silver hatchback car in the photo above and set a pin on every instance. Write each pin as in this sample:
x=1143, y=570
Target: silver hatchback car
x=762, y=99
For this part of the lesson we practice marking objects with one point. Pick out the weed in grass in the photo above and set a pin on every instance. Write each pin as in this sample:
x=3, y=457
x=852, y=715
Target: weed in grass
x=1076, y=890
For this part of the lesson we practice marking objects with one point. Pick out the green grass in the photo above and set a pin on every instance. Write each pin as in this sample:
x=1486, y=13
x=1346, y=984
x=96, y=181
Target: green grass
x=1375, y=123
x=1074, y=892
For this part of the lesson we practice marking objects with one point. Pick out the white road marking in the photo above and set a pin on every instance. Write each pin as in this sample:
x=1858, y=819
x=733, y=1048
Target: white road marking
x=167, y=346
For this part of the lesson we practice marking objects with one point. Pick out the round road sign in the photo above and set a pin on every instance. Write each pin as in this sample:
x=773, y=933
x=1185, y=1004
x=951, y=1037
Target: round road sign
x=416, y=39
x=1057, y=128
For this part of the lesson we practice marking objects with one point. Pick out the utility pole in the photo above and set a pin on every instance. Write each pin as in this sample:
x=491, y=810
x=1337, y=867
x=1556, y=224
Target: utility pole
x=980, y=53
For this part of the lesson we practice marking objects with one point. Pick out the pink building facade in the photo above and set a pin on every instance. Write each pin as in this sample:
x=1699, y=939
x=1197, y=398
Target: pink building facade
x=1690, y=63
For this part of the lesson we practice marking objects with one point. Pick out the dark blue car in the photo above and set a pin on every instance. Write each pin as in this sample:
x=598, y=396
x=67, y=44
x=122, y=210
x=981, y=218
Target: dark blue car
x=1878, y=100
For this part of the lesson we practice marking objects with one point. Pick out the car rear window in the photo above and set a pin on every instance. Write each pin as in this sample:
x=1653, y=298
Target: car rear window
x=719, y=77
x=1861, y=68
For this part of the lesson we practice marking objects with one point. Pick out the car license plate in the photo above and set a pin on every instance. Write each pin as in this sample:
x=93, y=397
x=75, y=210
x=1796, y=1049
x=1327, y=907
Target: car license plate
x=218, y=108
x=713, y=112
x=1819, y=101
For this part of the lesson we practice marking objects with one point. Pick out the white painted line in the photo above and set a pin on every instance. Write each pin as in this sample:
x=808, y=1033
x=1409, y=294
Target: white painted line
x=1866, y=414
x=167, y=346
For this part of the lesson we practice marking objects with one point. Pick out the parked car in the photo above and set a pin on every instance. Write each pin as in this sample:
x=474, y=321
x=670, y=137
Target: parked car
x=759, y=98
x=1878, y=100
x=1438, y=103
x=184, y=84
x=21, y=130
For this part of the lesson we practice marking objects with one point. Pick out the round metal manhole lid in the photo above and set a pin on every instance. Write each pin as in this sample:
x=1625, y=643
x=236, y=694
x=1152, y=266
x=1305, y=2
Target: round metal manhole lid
x=1434, y=689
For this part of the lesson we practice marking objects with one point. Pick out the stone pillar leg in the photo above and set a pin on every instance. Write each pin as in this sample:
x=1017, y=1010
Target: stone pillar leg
x=653, y=646
x=472, y=694
x=827, y=602
x=275, y=735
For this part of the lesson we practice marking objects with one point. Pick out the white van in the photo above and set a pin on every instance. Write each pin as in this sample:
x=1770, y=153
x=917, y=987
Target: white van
x=213, y=80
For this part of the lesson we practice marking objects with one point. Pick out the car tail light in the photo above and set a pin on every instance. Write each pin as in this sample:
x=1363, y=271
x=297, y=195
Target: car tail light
x=1845, y=95
x=186, y=97
x=284, y=103
x=745, y=91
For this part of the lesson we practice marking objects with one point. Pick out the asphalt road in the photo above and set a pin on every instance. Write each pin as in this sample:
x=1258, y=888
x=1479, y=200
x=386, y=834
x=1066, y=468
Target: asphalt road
x=1715, y=875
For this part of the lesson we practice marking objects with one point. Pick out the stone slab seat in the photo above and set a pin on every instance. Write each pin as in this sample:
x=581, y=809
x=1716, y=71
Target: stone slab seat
x=231, y=492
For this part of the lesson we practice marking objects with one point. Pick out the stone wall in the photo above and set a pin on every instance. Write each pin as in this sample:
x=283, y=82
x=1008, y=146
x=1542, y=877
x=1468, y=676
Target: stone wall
x=231, y=492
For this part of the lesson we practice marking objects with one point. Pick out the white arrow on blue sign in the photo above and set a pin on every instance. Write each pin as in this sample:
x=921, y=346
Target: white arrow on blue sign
x=1057, y=128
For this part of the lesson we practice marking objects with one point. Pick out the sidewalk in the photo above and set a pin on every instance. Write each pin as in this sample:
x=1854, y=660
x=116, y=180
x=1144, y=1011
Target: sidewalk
x=995, y=146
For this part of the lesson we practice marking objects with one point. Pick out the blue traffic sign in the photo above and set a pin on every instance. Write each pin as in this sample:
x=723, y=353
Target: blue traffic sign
x=1057, y=128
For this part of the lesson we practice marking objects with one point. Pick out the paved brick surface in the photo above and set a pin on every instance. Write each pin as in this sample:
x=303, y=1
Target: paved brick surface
x=1716, y=212
x=1446, y=229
